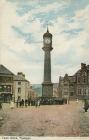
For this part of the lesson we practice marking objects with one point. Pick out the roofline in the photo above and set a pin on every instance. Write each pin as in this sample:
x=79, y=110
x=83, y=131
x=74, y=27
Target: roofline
x=22, y=80
x=3, y=74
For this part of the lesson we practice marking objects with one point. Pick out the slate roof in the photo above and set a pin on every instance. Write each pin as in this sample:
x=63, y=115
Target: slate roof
x=4, y=70
x=79, y=71
x=19, y=78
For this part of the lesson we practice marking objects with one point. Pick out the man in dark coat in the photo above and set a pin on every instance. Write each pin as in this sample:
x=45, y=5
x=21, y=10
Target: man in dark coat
x=86, y=105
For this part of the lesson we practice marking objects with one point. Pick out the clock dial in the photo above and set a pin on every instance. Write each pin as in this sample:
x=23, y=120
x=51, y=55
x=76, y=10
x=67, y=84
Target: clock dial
x=47, y=40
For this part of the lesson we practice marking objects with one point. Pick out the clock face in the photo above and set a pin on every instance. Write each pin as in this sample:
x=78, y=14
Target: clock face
x=47, y=40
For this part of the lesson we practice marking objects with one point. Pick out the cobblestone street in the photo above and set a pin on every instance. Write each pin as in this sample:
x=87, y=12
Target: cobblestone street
x=56, y=120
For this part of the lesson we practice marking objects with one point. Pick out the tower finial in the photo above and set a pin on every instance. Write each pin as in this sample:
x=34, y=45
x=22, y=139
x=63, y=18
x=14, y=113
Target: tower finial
x=47, y=28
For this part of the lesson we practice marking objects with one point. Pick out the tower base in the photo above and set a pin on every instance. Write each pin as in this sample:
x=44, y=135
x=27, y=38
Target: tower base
x=47, y=90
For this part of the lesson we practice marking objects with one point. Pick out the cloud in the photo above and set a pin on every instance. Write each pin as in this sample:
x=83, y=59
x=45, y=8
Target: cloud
x=39, y=7
x=71, y=50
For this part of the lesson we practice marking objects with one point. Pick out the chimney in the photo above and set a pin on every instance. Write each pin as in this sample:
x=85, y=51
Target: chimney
x=83, y=66
x=21, y=74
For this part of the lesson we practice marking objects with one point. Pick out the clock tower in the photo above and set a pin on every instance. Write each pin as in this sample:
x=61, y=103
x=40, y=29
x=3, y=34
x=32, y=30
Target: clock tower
x=47, y=86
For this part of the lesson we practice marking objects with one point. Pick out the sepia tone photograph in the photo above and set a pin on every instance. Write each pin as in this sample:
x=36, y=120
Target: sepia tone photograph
x=44, y=69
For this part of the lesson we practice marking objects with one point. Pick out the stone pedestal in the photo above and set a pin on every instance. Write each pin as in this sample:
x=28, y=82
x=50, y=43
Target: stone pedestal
x=47, y=90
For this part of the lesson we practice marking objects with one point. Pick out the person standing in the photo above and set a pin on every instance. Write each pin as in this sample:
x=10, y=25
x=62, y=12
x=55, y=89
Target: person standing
x=22, y=102
x=11, y=104
x=26, y=102
x=0, y=105
x=38, y=103
x=77, y=100
x=86, y=106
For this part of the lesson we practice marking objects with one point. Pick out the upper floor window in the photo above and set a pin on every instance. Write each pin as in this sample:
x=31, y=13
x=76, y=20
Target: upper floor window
x=79, y=91
x=71, y=85
x=65, y=93
x=19, y=90
x=71, y=93
x=8, y=88
x=19, y=83
x=84, y=79
x=79, y=79
x=84, y=91
x=65, y=84
x=84, y=73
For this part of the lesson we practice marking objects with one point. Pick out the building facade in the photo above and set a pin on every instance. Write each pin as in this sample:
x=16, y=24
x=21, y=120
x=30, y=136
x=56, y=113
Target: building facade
x=76, y=86
x=21, y=87
x=13, y=87
x=6, y=84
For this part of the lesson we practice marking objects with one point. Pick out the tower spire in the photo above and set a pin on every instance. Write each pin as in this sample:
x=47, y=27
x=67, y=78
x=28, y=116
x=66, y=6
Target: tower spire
x=47, y=28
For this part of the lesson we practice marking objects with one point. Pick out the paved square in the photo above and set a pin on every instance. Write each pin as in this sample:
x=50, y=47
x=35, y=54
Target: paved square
x=55, y=120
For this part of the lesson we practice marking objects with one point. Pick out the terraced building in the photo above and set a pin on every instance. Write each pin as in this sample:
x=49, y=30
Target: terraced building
x=76, y=86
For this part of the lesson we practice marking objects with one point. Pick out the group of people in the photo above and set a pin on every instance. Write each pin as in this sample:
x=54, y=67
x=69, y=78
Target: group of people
x=22, y=103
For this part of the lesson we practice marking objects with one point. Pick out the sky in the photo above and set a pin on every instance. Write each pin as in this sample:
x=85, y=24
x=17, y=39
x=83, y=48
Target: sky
x=22, y=25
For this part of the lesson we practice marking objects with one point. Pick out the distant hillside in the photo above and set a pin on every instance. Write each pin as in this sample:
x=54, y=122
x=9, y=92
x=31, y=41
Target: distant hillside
x=37, y=88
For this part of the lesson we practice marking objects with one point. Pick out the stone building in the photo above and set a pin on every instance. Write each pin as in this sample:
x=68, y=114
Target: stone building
x=76, y=86
x=21, y=87
x=6, y=84
x=55, y=91
x=13, y=86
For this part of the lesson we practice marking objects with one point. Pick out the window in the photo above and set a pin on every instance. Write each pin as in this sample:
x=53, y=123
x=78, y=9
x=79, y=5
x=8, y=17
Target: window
x=19, y=83
x=19, y=90
x=71, y=93
x=84, y=92
x=9, y=88
x=65, y=93
x=78, y=79
x=71, y=85
x=65, y=84
x=84, y=79
x=79, y=91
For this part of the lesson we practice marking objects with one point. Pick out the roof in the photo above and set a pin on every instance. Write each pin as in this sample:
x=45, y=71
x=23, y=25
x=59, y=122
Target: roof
x=72, y=79
x=47, y=34
x=4, y=70
x=19, y=78
x=78, y=72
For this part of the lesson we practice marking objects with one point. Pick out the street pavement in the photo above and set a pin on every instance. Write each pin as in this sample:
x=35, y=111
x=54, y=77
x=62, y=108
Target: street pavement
x=55, y=120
